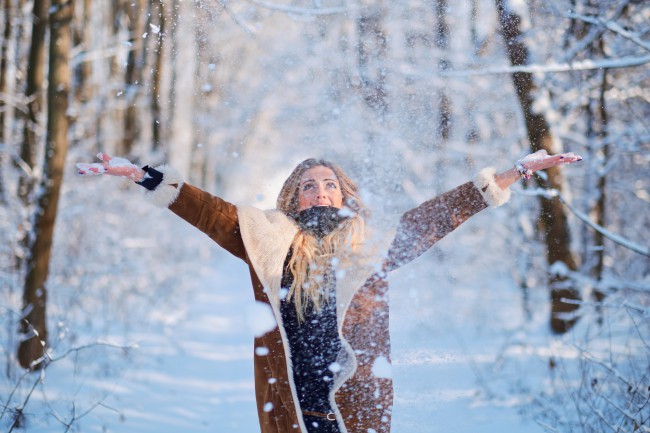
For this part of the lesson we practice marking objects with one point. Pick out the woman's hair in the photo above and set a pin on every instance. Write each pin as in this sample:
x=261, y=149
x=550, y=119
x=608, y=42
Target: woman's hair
x=314, y=261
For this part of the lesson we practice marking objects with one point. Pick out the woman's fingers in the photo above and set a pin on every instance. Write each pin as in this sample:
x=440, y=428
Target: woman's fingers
x=541, y=161
x=113, y=166
x=104, y=158
x=90, y=169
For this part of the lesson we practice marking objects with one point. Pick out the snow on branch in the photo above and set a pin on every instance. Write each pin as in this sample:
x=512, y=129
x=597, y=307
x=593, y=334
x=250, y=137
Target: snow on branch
x=550, y=193
x=583, y=65
x=612, y=26
x=299, y=10
x=236, y=19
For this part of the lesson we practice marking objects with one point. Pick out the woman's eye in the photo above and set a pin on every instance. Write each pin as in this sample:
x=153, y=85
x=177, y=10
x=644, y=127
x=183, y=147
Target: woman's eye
x=332, y=185
x=307, y=186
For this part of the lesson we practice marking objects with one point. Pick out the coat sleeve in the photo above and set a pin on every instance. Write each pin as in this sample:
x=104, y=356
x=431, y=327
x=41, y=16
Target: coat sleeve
x=425, y=225
x=212, y=215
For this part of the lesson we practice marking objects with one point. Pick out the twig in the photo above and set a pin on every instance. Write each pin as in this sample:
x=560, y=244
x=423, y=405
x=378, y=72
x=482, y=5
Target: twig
x=13, y=391
x=613, y=26
x=603, y=231
x=90, y=345
x=636, y=326
x=587, y=356
x=241, y=23
x=551, y=193
x=75, y=417
x=624, y=305
x=20, y=410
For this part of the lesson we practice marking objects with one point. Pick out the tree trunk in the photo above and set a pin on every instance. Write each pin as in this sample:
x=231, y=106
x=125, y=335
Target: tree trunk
x=598, y=209
x=442, y=43
x=34, y=94
x=158, y=21
x=553, y=217
x=444, y=124
x=598, y=148
x=4, y=51
x=31, y=351
x=181, y=98
x=133, y=76
x=84, y=69
x=371, y=50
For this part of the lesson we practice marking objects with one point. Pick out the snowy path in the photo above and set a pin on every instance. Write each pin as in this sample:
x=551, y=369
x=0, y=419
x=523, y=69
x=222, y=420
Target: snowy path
x=195, y=373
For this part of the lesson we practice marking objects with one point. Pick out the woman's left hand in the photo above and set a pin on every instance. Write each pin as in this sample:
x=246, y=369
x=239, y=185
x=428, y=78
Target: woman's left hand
x=541, y=160
x=112, y=166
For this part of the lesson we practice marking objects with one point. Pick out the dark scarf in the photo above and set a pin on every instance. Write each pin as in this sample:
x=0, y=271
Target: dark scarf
x=319, y=221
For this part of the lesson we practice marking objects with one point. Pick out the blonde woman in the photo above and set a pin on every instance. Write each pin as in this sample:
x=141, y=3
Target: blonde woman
x=313, y=261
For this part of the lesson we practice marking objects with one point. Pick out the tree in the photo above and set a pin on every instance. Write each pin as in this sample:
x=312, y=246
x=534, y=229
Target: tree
x=34, y=95
x=158, y=30
x=133, y=79
x=82, y=29
x=371, y=52
x=33, y=324
x=4, y=51
x=553, y=217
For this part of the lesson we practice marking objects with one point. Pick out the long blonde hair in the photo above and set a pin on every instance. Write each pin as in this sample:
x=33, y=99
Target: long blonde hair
x=314, y=261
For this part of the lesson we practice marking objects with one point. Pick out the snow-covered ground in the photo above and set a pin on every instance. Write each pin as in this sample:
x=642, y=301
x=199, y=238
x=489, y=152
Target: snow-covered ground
x=187, y=363
x=151, y=325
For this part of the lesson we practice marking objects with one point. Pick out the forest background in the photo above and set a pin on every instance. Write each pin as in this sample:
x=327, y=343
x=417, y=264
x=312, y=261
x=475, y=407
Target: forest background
x=413, y=98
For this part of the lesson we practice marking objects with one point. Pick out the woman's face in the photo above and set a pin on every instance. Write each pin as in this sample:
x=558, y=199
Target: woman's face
x=319, y=187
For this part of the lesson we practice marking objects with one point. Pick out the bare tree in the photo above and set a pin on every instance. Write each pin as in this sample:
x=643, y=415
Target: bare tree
x=81, y=32
x=442, y=43
x=553, y=217
x=371, y=50
x=133, y=74
x=34, y=95
x=596, y=116
x=33, y=324
x=158, y=29
x=4, y=51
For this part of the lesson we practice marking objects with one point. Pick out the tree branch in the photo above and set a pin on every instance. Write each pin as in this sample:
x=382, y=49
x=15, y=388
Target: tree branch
x=550, y=193
x=583, y=65
x=612, y=26
x=300, y=11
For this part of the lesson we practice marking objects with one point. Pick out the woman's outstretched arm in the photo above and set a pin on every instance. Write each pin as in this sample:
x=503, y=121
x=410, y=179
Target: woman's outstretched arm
x=421, y=227
x=212, y=215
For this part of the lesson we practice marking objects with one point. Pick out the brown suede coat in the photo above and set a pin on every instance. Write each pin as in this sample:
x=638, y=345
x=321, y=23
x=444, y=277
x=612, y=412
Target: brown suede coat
x=363, y=399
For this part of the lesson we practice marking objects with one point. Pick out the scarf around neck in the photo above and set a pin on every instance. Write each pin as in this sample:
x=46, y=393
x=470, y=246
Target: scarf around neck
x=319, y=221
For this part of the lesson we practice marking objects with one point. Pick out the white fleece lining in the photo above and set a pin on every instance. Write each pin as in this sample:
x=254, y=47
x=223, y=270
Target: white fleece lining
x=491, y=192
x=165, y=194
x=267, y=236
x=267, y=246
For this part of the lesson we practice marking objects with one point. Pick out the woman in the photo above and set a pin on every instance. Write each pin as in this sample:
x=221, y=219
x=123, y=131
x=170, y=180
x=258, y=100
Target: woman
x=323, y=273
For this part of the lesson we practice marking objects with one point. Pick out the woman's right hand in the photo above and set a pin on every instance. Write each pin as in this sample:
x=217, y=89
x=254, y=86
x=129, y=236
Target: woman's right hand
x=112, y=166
